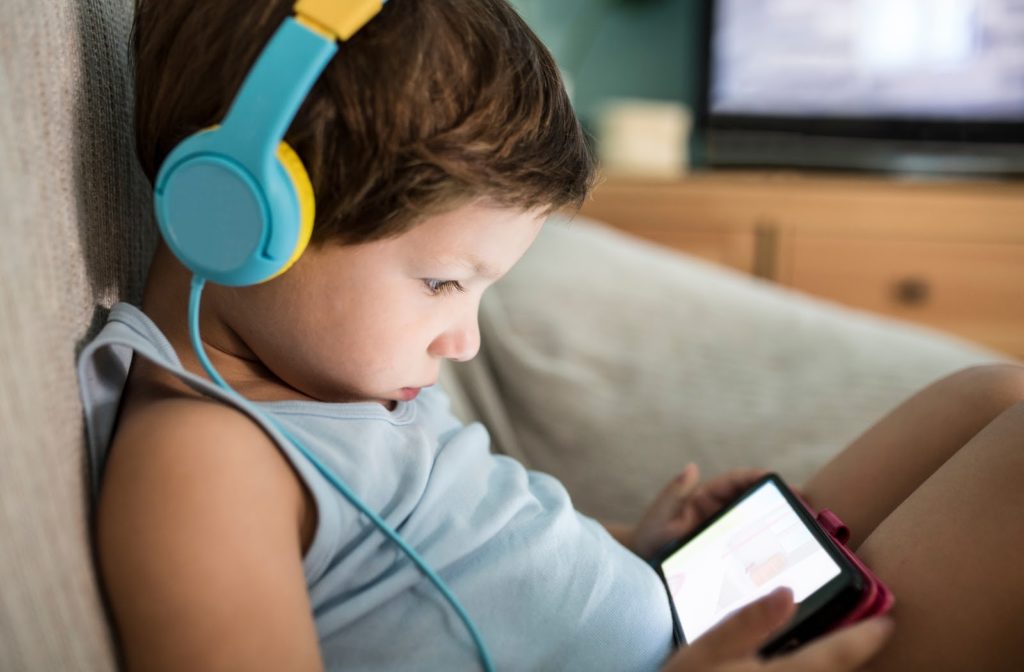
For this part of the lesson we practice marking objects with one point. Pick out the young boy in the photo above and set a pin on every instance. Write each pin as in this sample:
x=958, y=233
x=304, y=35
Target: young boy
x=437, y=142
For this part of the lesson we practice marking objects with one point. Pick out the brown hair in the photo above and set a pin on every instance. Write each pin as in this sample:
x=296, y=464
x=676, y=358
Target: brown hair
x=432, y=104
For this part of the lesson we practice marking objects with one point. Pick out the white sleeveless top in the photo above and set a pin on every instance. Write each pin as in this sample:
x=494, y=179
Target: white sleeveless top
x=548, y=588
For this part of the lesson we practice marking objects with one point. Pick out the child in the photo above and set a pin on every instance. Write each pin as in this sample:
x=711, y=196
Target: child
x=437, y=141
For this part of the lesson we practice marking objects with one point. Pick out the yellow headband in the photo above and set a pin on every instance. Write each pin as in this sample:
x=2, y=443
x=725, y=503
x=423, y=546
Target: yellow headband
x=338, y=19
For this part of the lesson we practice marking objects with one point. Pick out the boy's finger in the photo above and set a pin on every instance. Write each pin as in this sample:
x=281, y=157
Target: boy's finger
x=744, y=632
x=847, y=649
x=687, y=480
x=681, y=525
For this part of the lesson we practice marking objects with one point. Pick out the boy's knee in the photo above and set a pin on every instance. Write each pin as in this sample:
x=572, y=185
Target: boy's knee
x=1016, y=410
x=998, y=386
x=1007, y=427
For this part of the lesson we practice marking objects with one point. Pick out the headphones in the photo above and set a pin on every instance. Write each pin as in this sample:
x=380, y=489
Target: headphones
x=235, y=204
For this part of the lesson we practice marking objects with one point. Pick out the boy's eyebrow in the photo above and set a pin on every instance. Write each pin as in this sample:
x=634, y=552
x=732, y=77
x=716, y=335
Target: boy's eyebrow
x=480, y=268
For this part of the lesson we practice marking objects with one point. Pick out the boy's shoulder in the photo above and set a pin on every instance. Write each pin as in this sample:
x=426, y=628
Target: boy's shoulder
x=162, y=415
x=176, y=444
x=199, y=509
x=188, y=426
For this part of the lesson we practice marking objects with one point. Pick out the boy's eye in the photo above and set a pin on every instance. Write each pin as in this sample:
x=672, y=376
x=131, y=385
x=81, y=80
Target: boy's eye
x=438, y=287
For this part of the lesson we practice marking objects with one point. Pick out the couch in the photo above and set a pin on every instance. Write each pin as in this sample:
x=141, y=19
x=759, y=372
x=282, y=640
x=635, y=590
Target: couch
x=606, y=361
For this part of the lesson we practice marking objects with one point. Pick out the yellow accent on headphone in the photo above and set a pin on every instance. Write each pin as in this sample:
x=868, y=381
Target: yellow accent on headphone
x=292, y=165
x=339, y=18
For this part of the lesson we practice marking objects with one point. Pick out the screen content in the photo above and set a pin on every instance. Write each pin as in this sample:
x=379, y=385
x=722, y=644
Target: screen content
x=750, y=551
x=940, y=59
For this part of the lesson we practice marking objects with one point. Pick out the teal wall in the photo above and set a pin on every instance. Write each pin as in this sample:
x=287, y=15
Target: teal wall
x=616, y=48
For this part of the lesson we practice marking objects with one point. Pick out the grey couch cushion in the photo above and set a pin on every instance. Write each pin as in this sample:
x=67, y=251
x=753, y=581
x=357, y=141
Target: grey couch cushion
x=74, y=211
x=610, y=363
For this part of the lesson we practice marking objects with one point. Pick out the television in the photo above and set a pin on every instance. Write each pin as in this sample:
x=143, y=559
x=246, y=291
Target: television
x=921, y=86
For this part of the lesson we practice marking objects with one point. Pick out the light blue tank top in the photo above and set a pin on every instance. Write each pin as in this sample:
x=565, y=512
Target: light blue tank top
x=548, y=588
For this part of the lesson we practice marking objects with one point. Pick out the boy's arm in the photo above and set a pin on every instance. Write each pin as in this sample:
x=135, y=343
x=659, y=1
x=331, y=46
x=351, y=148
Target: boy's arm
x=198, y=530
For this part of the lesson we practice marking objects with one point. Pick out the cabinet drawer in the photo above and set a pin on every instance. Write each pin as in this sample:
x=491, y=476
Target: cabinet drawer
x=729, y=248
x=677, y=216
x=975, y=290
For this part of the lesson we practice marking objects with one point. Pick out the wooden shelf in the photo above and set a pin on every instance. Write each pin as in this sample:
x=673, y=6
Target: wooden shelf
x=949, y=254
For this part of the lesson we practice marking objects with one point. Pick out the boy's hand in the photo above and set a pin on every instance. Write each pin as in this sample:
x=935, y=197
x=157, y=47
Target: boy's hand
x=684, y=504
x=733, y=644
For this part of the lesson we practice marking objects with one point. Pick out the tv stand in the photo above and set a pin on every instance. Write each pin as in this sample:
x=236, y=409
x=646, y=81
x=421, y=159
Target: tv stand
x=944, y=253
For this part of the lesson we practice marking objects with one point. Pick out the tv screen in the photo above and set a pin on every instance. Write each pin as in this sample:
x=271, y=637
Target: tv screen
x=948, y=69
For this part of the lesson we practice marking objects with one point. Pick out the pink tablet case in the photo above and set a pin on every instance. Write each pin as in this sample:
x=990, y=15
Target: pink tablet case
x=877, y=598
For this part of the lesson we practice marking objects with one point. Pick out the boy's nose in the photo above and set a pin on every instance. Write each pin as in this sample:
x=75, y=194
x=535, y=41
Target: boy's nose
x=460, y=343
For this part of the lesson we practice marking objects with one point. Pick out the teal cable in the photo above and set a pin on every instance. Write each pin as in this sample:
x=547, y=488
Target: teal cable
x=193, y=328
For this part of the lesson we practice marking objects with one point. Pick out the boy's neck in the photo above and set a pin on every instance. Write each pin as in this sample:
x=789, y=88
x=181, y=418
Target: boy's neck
x=165, y=301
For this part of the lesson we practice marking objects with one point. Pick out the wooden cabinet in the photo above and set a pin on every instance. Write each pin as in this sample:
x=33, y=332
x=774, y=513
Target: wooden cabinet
x=949, y=254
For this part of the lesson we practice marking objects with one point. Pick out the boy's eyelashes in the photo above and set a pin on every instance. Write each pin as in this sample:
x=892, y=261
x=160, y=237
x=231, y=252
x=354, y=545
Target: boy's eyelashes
x=440, y=287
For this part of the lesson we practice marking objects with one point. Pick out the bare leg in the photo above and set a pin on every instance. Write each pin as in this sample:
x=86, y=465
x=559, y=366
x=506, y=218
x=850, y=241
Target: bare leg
x=869, y=479
x=951, y=553
x=939, y=488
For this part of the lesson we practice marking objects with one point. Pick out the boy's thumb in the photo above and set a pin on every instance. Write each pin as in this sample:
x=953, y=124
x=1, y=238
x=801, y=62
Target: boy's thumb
x=744, y=632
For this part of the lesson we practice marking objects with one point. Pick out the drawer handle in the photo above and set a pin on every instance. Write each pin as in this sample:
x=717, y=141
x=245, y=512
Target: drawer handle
x=912, y=291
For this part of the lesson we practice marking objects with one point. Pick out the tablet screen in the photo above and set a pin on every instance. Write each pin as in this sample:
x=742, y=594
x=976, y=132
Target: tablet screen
x=757, y=546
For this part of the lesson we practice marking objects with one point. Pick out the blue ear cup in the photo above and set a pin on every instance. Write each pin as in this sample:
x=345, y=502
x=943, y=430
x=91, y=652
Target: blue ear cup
x=227, y=223
x=234, y=202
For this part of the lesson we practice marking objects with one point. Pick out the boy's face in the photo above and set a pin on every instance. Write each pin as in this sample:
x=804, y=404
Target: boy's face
x=374, y=321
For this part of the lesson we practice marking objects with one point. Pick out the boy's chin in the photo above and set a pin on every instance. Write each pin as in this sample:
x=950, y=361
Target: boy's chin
x=389, y=404
x=391, y=399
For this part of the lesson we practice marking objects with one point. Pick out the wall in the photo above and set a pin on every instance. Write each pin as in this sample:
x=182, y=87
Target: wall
x=616, y=48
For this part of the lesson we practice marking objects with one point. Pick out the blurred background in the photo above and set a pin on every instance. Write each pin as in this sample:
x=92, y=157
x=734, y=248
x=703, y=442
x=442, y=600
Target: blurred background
x=869, y=152
x=612, y=49
x=946, y=74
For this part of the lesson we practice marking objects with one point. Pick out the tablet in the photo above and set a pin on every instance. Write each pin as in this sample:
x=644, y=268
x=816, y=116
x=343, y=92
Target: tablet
x=765, y=539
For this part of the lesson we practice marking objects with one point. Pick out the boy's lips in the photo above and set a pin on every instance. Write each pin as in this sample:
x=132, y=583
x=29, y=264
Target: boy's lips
x=409, y=393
